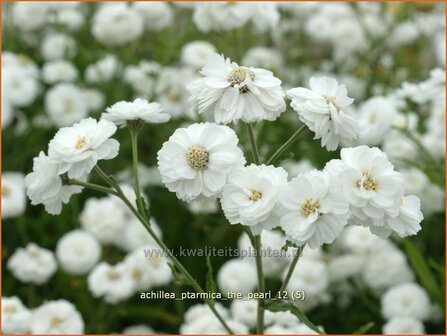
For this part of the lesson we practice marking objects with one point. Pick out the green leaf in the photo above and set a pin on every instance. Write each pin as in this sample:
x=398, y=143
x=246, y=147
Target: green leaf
x=364, y=328
x=278, y=306
x=211, y=286
x=424, y=272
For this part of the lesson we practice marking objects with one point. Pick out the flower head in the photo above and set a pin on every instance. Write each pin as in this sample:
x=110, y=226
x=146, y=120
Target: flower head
x=322, y=109
x=234, y=92
x=197, y=160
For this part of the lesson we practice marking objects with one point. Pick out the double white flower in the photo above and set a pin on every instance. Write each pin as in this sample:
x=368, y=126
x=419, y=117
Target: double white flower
x=234, y=92
x=322, y=110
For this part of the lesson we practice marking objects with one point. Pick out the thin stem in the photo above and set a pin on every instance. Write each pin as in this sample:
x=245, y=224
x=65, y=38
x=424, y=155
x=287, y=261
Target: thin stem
x=134, y=140
x=92, y=186
x=104, y=176
x=290, y=270
x=119, y=193
x=254, y=147
x=261, y=284
x=286, y=145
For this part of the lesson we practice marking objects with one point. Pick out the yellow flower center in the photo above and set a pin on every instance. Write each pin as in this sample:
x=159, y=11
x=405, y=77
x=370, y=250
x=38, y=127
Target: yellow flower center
x=5, y=190
x=197, y=157
x=80, y=142
x=309, y=206
x=367, y=182
x=332, y=100
x=238, y=75
x=136, y=273
x=113, y=275
x=255, y=195
x=10, y=308
x=56, y=321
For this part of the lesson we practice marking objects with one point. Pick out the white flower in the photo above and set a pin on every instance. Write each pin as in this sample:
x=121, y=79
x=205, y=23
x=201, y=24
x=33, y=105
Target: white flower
x=117, y=24
x=371, y=185
x=15, y=316
x=80, y=147
x=386, y=267
x=195, y=53
x=57, y=317
x=29, y=16
x=310, y=212
x=294, y=168
x=19, y=86
x=149, y=270
x=104, y=219
x=209, y=325
x=237, y=275
x=138, y=329
x=78, y=251
x=104, y=70
x=114, y=283
x=312, y=277
x=274, y=258
x=7, y=112
x=44, y=185
x=407, y=222
x=263, y=57
x=403, y=326
x=94, y=99
x=322, y=109
x=249, y=197
x=265, y=16
x=57, y=46
x=234, y=92
x=59, y=71
x=221, y=15
x=345, y=266
x=245, y=311
x=204, y=206
x=197, y=311
x=141, y=77
x=135, y=235
x=32, y=264
x=65, y=104
x=13, y=194
x=358, y=239
x=197, y=160
x=157, y=15
x=139, y=109
x=406, y=299
x=376, y=116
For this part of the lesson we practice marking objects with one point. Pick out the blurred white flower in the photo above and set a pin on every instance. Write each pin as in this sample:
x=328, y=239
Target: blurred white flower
x=149, y=270
x=59, y=71
x=245, y=311
x=135, y=235
x=116, y=24
x=249, y=197
x=265, y=16
x=44, y=185
x=157, y=15
x=57, y=317
x=197, y=160
x=94, y=99
x=321, y=213
x=375, y=117
x=57, y=46
x=234, y=92
x=77, y=149
x=29, y=16
x=65, y=104
x=406, y=300
x=138, y=329
x=78, y=251
x=203, y=206
x=263, y=57
x=32, y=264
x=103, y=219
x=221, y=15
x=104, y=70
x=7, y=112
x=322, y=110
x=238, y=275
x=19, y=86
x=13, y=194
x=16, y=317
x=403, y=326
x=195, y=53
x=112, y=282
x=345, y=266
x=294, y=168
x=140, y=109
x=358, y=239
x=141, y=77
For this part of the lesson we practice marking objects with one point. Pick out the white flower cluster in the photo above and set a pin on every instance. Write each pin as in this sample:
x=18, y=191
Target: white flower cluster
x=52, y=317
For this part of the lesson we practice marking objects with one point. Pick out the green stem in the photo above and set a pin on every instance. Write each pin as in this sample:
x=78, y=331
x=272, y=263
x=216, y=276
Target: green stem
x=261, y=284
x=290, y=270
x=134, y=141
x=119, y=193
x=254, y=146
x=92, y=186
x=286, y=145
